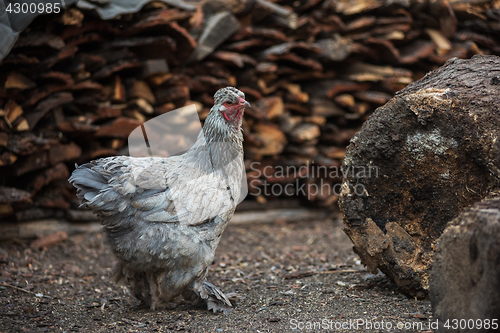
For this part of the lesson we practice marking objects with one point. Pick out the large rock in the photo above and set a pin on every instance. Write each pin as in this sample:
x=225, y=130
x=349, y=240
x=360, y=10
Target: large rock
x=465, y=276
x=418, y=161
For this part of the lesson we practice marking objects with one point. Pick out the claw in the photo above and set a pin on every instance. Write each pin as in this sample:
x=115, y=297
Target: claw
x=216, y=301
x=215, y=307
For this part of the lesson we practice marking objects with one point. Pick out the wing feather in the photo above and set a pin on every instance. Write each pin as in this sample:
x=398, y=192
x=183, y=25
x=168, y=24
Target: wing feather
x=151, y=202
x=154, y=189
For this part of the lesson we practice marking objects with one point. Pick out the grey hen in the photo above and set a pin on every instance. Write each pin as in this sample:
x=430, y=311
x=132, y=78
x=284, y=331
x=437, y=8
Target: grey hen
x=164, y=217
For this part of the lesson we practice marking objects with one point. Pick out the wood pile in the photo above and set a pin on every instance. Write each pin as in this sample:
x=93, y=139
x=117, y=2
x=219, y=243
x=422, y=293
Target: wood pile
x=74, y=86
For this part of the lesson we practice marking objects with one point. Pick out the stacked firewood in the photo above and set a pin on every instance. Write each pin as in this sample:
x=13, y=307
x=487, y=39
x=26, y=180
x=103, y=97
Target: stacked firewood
x=74, y=86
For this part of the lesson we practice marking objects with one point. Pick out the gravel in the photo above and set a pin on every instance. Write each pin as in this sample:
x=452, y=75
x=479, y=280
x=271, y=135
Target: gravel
x=288, y=277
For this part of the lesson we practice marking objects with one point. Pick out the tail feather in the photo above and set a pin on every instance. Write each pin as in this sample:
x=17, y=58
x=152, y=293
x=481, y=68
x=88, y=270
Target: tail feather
x=93, y=188
x=86, y=179
x=89, y=196
x=109, y=196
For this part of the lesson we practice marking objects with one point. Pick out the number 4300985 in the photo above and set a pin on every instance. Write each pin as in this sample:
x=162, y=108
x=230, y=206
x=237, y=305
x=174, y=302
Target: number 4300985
x=479, y=324
x=32, y=8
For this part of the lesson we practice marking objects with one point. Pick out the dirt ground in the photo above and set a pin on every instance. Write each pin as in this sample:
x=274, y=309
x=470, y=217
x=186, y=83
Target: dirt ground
x=289, y=277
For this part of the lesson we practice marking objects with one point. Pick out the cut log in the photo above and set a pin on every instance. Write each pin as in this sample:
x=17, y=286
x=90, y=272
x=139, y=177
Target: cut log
x=336, y=48
x=305, y=132
x=12, y=198
x=50, y=240
x=154, y=67
x=119, y=128
x=141, y=89
x=417, y=163
x=46, y=105
x=21, y=125
x=272, y=107
x=10, y=195
x=118, y=95
x=45, y=177
x=7, y=158
x=282, y=15
x=4, y=137
x=46, y=158
x=17, y=80
x=217, y=29
x=465, y=275
x=12, y=111
x=273, y=140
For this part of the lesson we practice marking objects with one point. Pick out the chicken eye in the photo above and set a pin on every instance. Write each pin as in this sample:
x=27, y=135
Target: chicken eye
x=229, y=103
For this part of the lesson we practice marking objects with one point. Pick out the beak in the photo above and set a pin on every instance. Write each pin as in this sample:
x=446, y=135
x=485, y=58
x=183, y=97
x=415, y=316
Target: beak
x=247, y=104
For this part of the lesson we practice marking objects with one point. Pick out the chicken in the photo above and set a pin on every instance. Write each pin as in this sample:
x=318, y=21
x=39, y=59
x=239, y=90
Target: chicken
x=164, y=217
